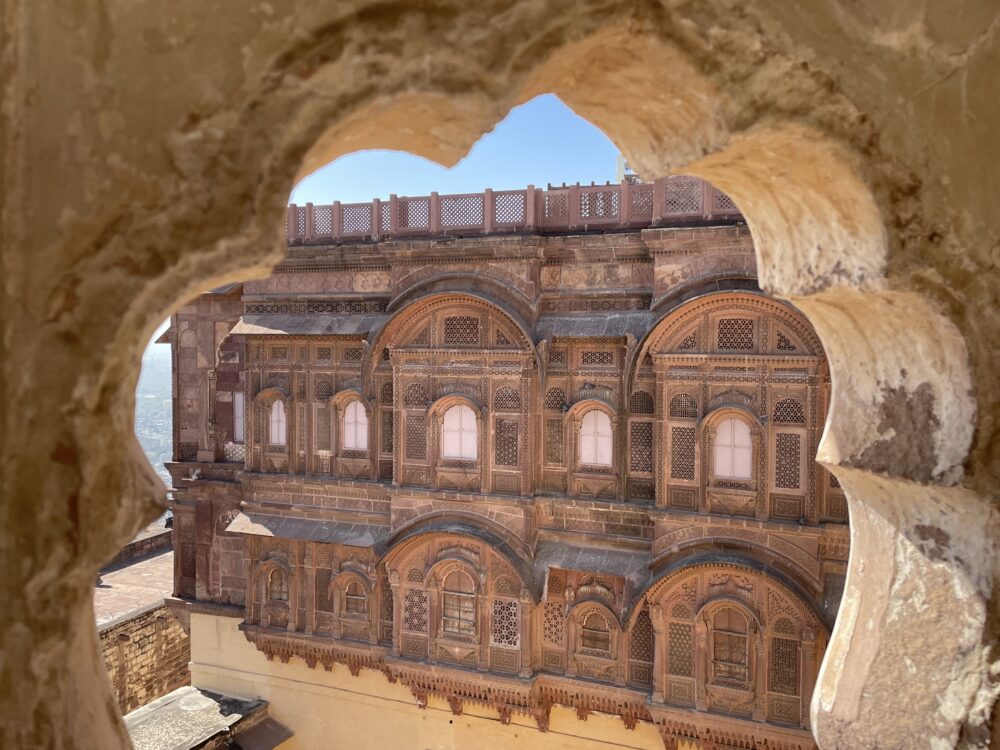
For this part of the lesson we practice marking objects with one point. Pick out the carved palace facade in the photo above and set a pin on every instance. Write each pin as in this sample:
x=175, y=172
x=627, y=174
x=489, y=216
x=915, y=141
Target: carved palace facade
x=521, y=466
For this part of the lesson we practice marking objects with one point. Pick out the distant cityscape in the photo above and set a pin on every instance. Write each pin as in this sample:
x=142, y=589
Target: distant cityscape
x=152, y=408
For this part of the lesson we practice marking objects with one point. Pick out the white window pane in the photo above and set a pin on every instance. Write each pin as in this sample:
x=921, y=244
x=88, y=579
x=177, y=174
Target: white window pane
x=741, y=433
x=469, y=447
x=451, y=445
x=723, y=460
x=603, y=451
x=238, y=424
x=603, y=423
x=277, y=423
x=743, y=463
x=361, y=429
x=587, y=449
x=725, y=436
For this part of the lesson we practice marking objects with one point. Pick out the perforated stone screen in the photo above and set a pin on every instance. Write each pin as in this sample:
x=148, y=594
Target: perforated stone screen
x=597, y=358
x=641, y=642
x=357, y=218
x=736, y=334
x=553, y=441
x=787, y=449
x=599, y=204
x=784, y=343
x=461, y=210
x=641, y=402
x=682, y=196
x=683, y=406
x=641, y=446
x=323, y=428
x=783, y=676
x=553, y=624
x=688, y=343
x=386, y=437
x=507, y=399
x=555, y=398
x=324, y=389
x=789, y=411
x=414, y=395
x=505, y=623
x=461, y=330
x=416, y=437
x=415, y=611
x=679, y=649
x=505, y=442
x=556, y=206
x=682, y=443
x=509, y=207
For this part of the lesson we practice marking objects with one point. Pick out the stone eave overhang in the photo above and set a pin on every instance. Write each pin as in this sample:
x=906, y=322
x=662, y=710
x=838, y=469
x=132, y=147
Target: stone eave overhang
x=532, y=697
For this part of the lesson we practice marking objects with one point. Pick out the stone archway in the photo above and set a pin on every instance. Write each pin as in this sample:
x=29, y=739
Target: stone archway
x=126, y=189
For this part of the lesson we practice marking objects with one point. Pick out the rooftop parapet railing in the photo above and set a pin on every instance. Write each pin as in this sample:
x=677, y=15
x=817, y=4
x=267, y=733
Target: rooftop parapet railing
x=669, y=200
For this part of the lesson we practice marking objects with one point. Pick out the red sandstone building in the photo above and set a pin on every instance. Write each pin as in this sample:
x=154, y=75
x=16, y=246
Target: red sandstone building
x=519, y=452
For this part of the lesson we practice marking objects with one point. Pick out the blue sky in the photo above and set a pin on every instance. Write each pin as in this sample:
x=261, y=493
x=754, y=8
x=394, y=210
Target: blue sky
x=541, y=141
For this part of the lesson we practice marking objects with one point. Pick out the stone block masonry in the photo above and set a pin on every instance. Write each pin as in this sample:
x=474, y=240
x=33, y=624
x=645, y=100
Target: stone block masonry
x=146, y=653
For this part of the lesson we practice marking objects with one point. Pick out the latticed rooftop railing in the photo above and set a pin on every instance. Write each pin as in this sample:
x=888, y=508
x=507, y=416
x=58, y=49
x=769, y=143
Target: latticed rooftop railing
x=669, y=200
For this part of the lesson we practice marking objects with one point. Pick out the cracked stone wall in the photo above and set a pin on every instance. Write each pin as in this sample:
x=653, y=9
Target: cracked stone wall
x=147, y=150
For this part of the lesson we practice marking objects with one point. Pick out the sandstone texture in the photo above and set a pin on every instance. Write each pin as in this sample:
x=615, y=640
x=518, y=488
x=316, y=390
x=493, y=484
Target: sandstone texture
x=147, y=151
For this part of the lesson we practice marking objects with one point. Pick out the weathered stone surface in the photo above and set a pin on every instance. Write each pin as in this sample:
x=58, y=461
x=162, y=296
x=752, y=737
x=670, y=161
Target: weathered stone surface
x=147, y=150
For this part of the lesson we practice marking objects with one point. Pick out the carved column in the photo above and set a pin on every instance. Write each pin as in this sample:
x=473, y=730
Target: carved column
x=762, y=472
x=397, y=611
x=433, y=449
x=759, y=676
x=701, y=664
x=310, y=576
x=571, y=670
x=433, y=616
x=656, y=617
x=484, y=450
x=524, y=633
x=704, y=444
x=295, y=581
x=483, y=613
x=526, y=460
x=807, y=655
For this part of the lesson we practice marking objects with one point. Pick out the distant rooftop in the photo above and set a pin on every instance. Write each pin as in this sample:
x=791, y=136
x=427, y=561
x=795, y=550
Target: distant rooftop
x=567, y=208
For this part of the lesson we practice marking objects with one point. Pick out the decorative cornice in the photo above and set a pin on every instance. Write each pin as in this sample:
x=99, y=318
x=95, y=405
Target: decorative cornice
x=532, y=697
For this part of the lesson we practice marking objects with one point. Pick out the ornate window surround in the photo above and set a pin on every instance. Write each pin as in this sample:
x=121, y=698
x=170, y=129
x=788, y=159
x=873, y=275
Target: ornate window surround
x=588, y=662
x=466, y=468
x=274, y=610
x=708, y=433
x=572, y=424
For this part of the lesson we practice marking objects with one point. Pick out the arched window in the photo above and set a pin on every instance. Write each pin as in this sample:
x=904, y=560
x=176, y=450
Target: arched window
x=459, y=438
x=595, y=635
x=729, y=648
x=459, y=612
x=733, y=450
x=595, y=439
x=277, y=431
x=355, y=427
x=277, y=585
x=355, y=601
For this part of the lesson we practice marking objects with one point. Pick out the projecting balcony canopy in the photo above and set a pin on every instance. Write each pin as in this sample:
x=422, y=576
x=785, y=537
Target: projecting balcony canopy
x=630, y=565
x=308, y=530
x=308, y=325
x=608, y=324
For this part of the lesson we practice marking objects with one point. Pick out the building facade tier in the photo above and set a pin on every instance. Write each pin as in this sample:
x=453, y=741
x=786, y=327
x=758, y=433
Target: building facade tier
x=517, y=471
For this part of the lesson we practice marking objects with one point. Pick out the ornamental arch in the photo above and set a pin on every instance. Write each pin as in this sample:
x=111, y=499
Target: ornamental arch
x=765, y=110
